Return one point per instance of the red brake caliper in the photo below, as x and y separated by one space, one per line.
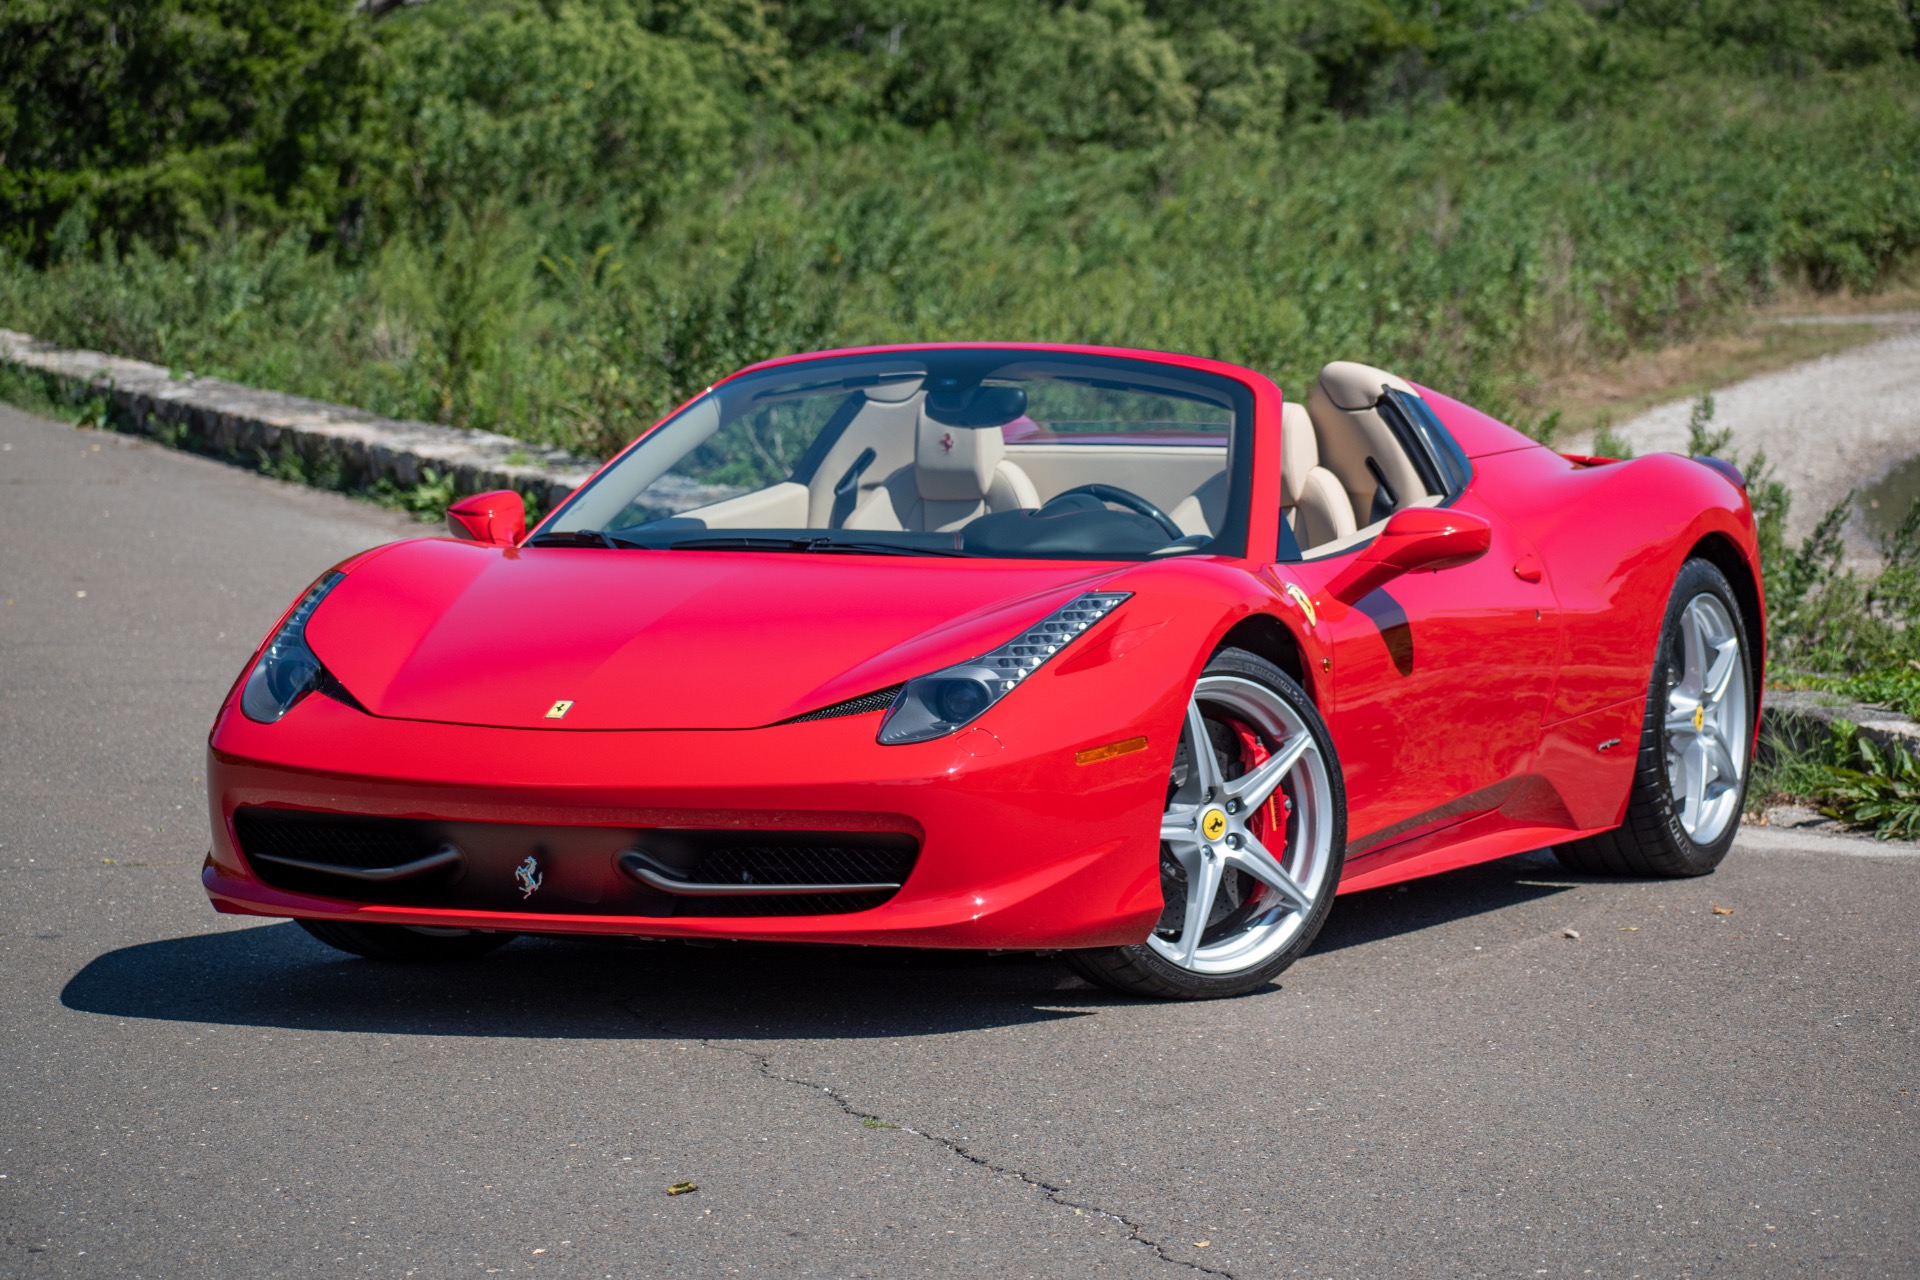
1271 816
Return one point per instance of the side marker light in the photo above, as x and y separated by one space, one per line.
1094 755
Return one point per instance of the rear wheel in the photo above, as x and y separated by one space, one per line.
404 942
1690 781
1251 842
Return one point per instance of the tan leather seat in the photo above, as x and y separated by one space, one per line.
957 475
1351 431
1311 497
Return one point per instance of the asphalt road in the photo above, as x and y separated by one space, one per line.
1448 1085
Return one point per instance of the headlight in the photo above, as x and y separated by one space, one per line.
936 704
288 671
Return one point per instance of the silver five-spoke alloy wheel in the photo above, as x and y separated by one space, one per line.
1705 730
1246 844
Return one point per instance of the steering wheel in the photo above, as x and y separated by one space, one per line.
1130 500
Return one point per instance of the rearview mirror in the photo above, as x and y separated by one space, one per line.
1417 538
497 518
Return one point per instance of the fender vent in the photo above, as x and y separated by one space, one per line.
878 700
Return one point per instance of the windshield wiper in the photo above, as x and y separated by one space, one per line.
827 545
583 538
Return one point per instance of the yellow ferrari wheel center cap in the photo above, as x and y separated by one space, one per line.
1213 824
1699 718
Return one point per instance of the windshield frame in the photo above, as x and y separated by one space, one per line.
1235 386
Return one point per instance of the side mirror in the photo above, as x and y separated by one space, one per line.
497 518
1417 538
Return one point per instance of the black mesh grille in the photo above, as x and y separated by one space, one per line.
878 700
789 857
780 864
338 842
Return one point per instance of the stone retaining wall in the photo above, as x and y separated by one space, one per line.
1803 718
213 416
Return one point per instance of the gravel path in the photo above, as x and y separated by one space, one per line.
1837 423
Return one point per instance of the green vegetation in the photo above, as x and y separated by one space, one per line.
1859 637
1871 786
1848 777
557 218
1834 629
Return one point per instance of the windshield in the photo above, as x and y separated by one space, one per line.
943 452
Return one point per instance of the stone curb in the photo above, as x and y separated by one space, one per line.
241 422
1804 717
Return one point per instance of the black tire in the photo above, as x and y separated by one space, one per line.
1652 841
404 943
1140 970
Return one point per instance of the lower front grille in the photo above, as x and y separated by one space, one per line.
574 870
714 873
343 842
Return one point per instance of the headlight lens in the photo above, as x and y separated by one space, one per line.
288 671
940 702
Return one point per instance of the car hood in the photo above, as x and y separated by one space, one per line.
464 634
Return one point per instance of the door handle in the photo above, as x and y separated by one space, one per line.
1527 568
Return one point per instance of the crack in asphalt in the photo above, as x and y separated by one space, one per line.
1058 1195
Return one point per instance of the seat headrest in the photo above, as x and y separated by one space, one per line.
1351 386
1299 451
955 464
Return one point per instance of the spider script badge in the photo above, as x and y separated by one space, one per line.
527 876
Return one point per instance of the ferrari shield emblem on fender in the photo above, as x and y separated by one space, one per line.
527 876
1213 824
1304 601
559 709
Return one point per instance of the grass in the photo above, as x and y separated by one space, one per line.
1848 777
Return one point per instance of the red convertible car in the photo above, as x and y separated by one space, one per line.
1112 653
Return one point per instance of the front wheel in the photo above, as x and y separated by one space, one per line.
404 942
1251 842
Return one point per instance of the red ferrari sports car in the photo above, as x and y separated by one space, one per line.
1113 653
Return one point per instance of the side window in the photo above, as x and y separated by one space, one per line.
1442 465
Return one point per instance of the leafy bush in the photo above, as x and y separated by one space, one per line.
1874 786
1471 253
556 218
1849 777
162 118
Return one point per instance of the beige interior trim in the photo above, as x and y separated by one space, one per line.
1346 418
781 506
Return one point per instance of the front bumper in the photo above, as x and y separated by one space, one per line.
1020 846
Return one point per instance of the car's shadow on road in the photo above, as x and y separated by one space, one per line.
277 976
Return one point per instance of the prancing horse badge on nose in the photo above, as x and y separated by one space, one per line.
527 876
559 709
